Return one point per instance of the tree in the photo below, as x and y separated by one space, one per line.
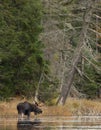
63 22
77 55
21 51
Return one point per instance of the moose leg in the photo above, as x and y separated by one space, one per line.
22 116
19 115
28 116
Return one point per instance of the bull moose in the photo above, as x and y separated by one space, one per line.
26 108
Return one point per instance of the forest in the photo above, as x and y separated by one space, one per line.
50 50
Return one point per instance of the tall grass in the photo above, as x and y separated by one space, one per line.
72 107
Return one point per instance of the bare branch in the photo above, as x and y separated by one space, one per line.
97 68
97 16
98 45
75 93
79 71
37 90
95 31
83 74
77 55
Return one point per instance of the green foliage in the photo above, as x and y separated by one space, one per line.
21 54
90 83
48 91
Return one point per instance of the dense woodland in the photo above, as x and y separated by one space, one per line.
50 49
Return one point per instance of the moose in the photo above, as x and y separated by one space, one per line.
25 108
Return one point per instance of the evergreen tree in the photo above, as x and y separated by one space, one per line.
21 55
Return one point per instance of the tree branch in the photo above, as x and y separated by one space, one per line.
95 31
91 63
77 55
97 16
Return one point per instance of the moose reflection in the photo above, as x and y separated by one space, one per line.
29 125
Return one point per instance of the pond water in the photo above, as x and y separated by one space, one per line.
52 123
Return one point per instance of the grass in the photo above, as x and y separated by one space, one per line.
72 107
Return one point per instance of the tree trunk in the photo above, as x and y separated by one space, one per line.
37 90
82 41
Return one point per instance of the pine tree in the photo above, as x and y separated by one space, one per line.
21 55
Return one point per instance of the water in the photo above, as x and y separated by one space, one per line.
52 123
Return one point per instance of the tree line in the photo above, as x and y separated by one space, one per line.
21 51
25 58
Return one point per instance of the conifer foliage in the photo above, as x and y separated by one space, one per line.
21 55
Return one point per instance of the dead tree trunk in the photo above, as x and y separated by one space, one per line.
37 90
82 41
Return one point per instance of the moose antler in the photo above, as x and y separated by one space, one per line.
35 103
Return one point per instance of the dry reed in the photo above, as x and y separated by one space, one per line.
72 107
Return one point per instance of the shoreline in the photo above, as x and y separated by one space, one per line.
73 107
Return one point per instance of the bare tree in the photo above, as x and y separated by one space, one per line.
78 52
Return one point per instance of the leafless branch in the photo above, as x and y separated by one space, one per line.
97 16
95 31
97 68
